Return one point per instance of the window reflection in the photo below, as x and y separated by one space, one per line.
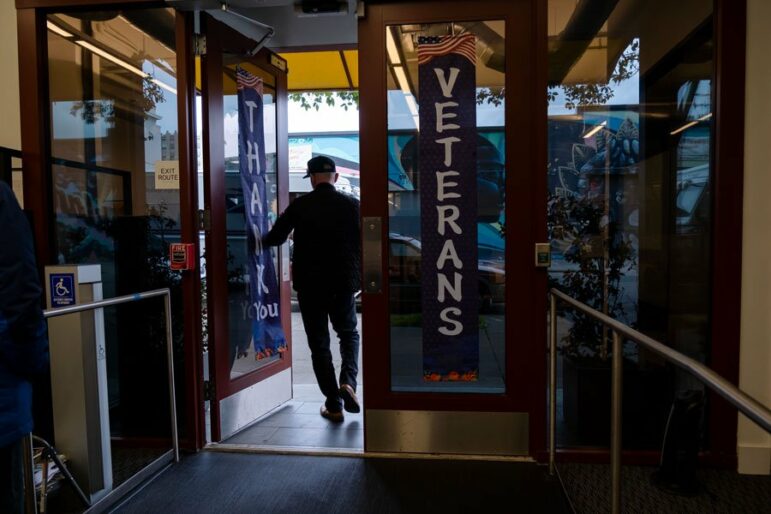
629 215
113 118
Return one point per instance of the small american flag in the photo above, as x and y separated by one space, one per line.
244 79
435 46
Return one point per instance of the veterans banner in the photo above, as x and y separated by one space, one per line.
448 204
267 334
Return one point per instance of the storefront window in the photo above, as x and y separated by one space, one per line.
116 199
629 218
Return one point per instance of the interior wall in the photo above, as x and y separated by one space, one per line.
754 444
10 128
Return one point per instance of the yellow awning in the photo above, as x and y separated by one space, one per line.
325 70
315 71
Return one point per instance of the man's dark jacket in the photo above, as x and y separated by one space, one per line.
23 343
327 240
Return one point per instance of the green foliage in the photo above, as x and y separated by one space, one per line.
315 99
578 95
581 224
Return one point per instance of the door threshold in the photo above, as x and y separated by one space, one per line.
284 450
352 452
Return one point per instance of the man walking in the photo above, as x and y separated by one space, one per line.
23 345
325 271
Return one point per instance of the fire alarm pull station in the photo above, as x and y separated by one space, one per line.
182 256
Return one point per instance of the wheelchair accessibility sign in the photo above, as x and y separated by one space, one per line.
62 289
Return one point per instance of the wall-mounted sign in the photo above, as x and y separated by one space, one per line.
166 174
182 256
62 289
278 62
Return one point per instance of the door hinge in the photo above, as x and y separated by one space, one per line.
204 219
208 390
199 45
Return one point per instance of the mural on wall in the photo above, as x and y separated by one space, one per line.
593 218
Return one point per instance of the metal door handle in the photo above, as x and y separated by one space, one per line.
372 254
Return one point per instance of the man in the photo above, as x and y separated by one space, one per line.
23 344
325 271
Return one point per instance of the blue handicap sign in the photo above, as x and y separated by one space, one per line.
62 289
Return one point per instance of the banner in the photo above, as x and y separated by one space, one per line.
448 200
267 334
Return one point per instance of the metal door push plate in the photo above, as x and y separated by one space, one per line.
372 254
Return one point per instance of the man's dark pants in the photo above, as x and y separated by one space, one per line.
317 310
11 478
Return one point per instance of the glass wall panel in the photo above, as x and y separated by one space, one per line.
113 108
629 173
484 345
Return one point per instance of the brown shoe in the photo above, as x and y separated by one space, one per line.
350 401
334 417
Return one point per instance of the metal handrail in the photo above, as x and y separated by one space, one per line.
166 293
29 486
747 405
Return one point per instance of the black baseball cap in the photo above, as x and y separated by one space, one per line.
320 164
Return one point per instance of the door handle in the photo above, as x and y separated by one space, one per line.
372 254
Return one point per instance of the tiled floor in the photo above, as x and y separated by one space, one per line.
298 424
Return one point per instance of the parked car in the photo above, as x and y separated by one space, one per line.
404 261
404 258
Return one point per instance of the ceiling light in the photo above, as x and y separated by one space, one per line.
165 86
58 30
123 64
595 130
112 58
401 78
393 53
691 124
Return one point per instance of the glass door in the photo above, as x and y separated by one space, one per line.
453 203
246 186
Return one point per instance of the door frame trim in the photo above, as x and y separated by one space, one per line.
212 63
525 384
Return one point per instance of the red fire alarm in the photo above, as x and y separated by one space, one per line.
182 256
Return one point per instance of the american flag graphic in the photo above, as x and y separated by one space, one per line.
245 79
435 46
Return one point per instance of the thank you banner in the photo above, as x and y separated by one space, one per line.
448 199
263 311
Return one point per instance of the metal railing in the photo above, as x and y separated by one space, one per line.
746 404
119 300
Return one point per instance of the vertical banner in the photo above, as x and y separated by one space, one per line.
267 334
448 200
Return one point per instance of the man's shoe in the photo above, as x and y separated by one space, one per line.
350 401
334 417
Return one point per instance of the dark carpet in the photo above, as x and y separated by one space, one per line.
721 491
235 483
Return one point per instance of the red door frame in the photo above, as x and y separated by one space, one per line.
220 40
525 193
